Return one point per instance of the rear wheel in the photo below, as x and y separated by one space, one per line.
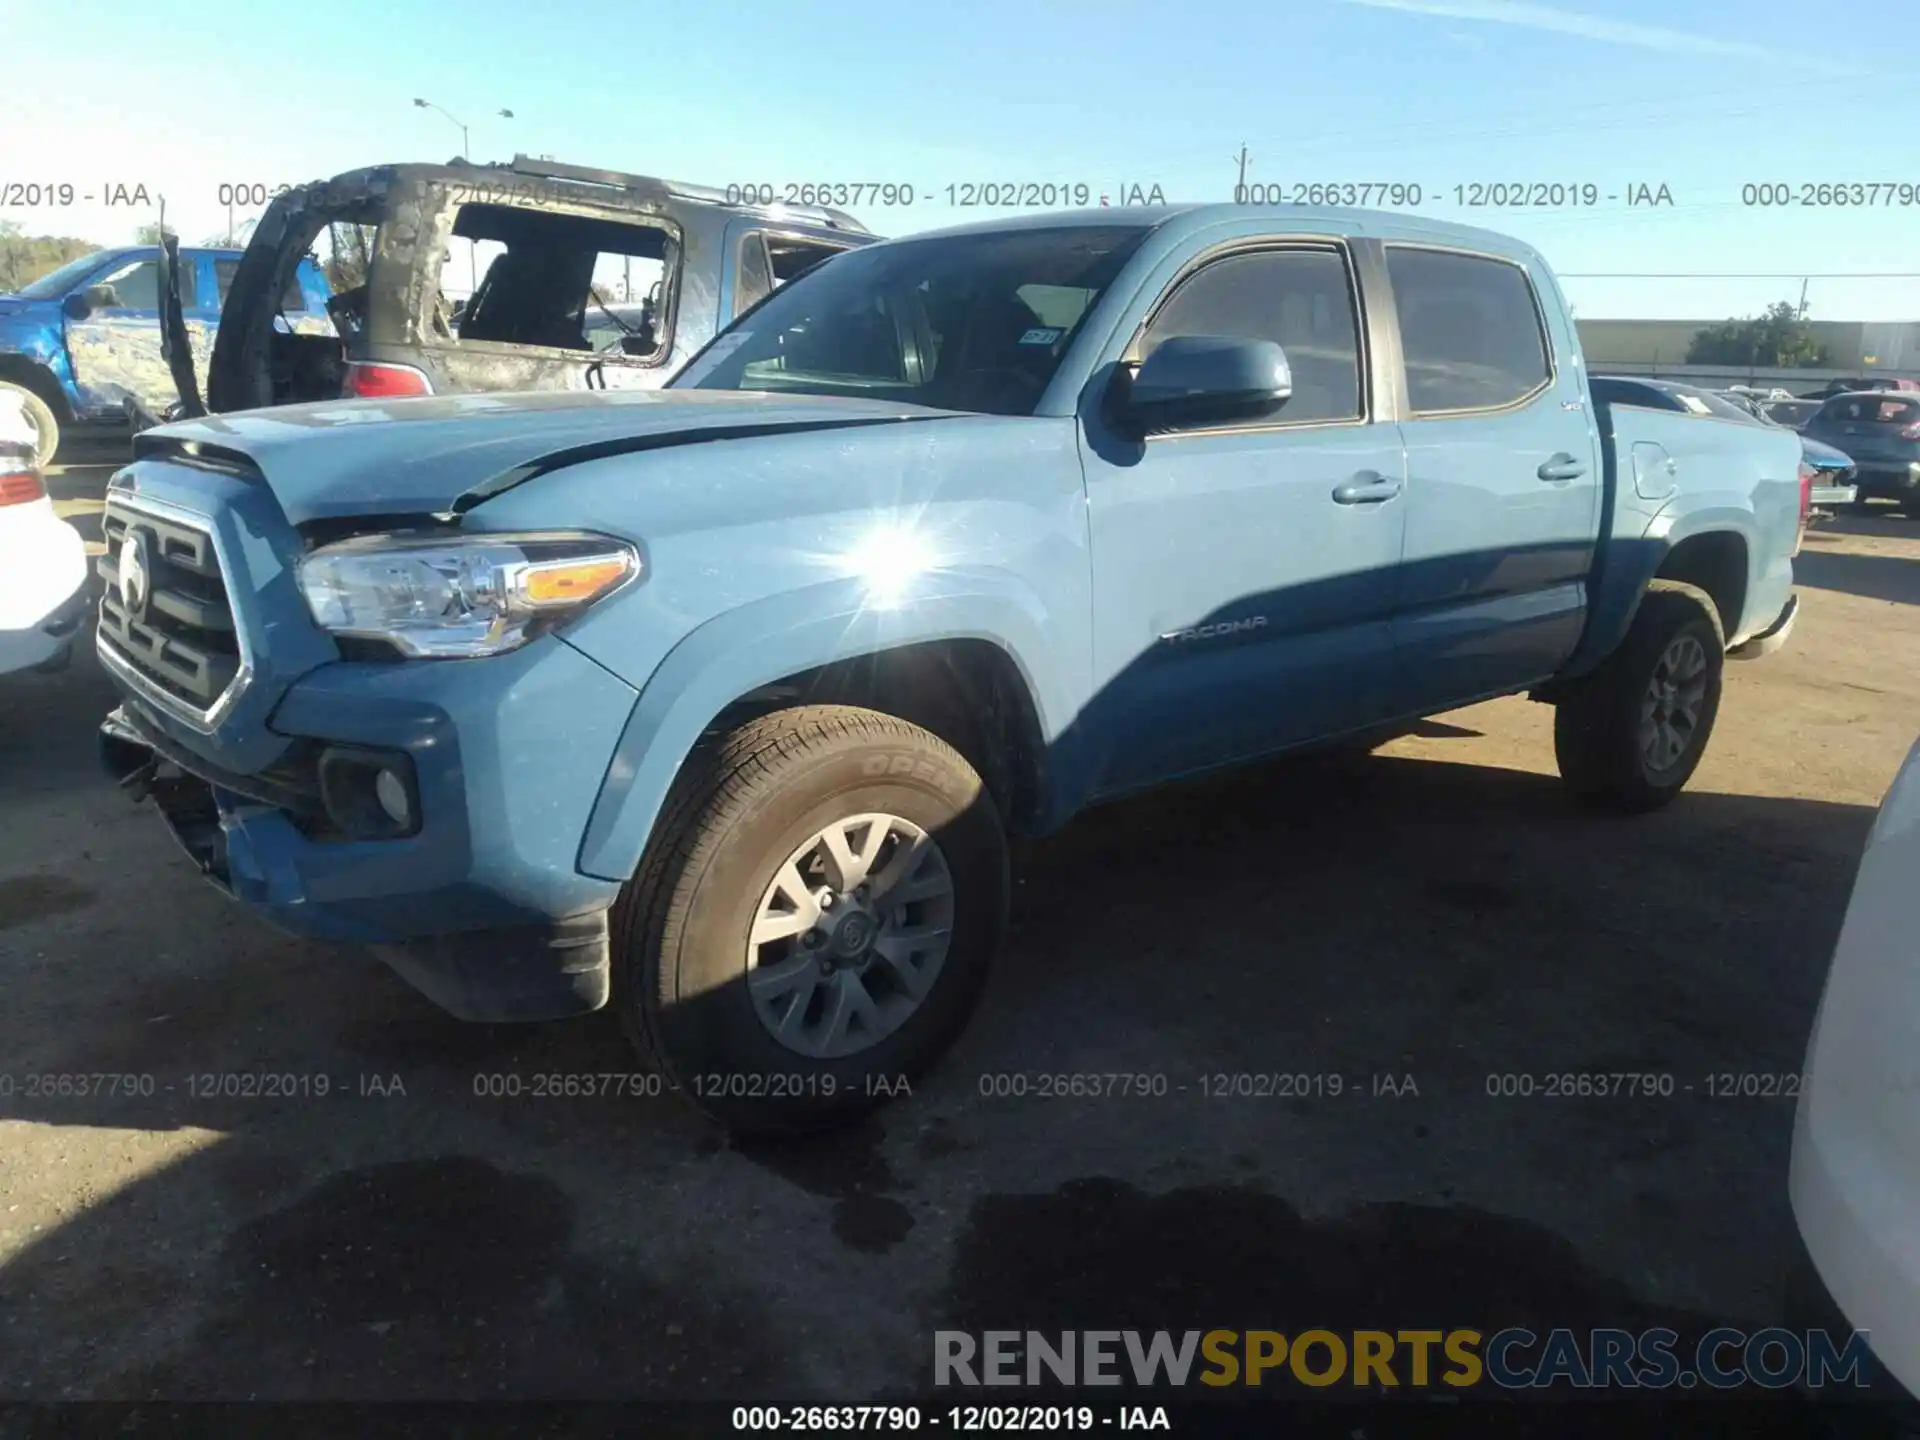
815 918
1629 736
46 425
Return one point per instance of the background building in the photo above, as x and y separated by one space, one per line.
1659 347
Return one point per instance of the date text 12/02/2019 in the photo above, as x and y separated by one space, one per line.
788 1419
959 195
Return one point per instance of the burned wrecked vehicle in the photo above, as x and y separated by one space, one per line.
460 278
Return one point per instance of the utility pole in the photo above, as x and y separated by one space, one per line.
1803 298
1240 186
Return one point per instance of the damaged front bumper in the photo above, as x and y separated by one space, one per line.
261 839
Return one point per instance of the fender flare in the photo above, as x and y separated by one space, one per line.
741 650
1632 564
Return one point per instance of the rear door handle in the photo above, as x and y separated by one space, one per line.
1369 487
1562 467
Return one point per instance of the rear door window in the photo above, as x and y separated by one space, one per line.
1470 328
187 280
769 260
293 300
546 279
791 256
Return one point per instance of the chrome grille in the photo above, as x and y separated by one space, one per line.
171 634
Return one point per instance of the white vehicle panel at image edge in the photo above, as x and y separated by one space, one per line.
1856 1144
43 561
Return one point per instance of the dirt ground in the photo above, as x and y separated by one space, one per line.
1436 914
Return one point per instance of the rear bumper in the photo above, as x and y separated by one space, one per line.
1888 480
1834 495
482 907
1772 638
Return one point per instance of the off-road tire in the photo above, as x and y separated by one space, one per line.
45 423
1596 723
743 803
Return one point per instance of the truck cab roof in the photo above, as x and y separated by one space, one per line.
1180 221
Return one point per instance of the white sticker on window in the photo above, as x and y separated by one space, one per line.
718 351
1042 335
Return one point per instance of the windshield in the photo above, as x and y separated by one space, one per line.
958 322
53 286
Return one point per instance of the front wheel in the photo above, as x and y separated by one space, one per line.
1629 736
814 921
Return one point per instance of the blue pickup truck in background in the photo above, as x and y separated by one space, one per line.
81 342
718 703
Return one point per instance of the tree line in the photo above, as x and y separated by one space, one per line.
1777 339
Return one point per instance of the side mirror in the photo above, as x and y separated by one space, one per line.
82 303
95 297
1206 380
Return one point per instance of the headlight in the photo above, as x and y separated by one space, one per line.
441 597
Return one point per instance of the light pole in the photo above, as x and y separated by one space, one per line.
429 105
473 282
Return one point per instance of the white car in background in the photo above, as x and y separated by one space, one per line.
43 560
1855 1180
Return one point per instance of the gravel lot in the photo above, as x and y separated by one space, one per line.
1436 911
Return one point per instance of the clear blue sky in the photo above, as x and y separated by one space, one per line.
1701 98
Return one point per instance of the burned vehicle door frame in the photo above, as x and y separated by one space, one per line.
552 243
399 318
263 357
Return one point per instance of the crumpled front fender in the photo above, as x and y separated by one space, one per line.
737 652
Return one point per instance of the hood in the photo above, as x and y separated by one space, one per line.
1824 457
20 305
341 459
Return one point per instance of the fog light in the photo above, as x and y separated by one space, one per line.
391 791
369 794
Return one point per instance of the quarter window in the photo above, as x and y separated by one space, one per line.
1300 299
756 274
1469 328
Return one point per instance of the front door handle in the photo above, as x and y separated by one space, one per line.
1369 487
1562 467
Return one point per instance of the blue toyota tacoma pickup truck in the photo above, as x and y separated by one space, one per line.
77 344
718 703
